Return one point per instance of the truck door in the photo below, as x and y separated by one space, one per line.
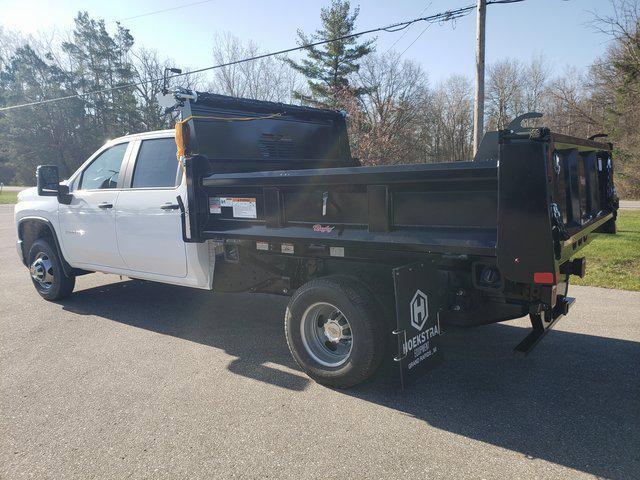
148 222
87 224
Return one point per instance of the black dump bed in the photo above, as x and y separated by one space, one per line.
286 177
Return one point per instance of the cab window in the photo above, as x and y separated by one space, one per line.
103 172
156 166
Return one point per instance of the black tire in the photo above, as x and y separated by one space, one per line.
366 324
60 285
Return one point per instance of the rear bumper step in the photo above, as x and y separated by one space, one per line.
542 323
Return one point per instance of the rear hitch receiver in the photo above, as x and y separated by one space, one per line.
577 266
541 322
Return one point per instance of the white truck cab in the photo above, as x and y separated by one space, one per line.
121 217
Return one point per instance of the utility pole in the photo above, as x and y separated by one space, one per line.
478 103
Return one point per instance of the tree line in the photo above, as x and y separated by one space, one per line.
395 114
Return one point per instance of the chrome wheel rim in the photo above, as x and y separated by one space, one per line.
326 334
41 271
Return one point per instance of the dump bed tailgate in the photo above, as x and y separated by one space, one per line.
555 191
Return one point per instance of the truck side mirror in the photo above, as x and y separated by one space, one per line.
48 180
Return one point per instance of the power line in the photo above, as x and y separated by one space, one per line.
407 30
415 40
437 17
431 23
442 16
178 7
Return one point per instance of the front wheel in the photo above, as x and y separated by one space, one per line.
47 275
335 331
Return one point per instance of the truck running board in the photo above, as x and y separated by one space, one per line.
541 322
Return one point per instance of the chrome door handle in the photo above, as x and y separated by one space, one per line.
105 205
170 206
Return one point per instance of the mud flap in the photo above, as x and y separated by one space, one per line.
419 294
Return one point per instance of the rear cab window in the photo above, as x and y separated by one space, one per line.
156 165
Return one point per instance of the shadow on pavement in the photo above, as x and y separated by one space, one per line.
248 327
574 401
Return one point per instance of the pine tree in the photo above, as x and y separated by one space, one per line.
49 133
329 66
102 62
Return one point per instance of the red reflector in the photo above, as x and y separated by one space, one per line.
543 277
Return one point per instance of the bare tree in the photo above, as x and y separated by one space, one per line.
395 98
504 93
149 70
570 108
452 120
401 120
535 78
43 43
9 43
616 78
268 78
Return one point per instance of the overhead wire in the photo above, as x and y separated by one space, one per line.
407 30
445 16
431 23
164 10
415 40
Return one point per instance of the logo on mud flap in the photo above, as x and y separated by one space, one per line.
419 310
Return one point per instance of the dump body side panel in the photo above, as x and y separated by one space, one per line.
445 208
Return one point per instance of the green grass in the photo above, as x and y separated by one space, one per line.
8 197
613 261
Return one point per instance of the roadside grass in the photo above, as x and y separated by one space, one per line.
613 261
8 197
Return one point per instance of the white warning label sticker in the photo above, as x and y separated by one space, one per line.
214 205
242 207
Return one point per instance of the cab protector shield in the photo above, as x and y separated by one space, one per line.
240 135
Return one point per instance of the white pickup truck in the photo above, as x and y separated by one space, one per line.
267 198
121 217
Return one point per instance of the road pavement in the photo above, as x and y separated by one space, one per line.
629 204
131 379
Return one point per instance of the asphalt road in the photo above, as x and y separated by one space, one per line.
629 204
129 379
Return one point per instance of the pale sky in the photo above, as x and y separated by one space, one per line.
558 29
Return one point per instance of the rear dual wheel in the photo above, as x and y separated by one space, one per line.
335 331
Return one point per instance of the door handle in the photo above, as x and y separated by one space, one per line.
105 205
170 206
